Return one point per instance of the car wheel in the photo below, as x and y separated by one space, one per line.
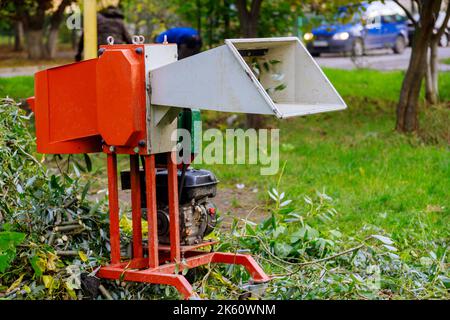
358 48
443 41
399 45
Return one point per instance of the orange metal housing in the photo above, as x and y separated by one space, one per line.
80 104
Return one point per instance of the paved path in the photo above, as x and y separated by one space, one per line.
383 60
22 71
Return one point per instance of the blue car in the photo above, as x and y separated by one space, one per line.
373 26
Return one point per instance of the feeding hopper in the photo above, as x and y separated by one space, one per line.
260 76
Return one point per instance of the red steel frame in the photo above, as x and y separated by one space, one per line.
159 267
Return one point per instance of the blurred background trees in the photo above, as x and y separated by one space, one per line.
37 26
40 22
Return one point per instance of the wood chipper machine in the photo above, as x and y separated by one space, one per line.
128 102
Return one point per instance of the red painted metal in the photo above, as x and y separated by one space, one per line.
106 96
136 206
174 215
245 260
152 217
162 261
150 276
165 273
121 95
114 231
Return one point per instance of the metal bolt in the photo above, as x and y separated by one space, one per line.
141 143
136 150
112 148
139 50
100 51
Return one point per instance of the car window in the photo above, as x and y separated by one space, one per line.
373 20
400 18
388 19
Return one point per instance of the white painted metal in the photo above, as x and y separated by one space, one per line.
158 136
220 79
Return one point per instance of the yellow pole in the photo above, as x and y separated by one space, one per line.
90 29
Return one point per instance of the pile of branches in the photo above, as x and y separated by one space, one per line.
49 232
53 236
53 239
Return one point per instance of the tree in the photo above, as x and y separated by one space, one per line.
407 108
432 71
149 17
40 20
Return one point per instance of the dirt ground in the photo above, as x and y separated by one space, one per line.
240 203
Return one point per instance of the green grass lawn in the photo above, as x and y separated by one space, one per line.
376 176
17 87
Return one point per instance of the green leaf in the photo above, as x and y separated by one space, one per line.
390 248
249 229
311 233
36 264
282 249
88 162
298 235
9 240
280 87
383 239
75 168
85 191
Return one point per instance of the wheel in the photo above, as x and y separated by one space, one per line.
400 45
443 41
358 48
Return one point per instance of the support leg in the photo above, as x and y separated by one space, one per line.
152 218
114 231
178 281
174 215
136 206
245 260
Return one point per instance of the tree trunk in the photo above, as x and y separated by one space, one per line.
18 36
35 44
431 88
407 108
52 43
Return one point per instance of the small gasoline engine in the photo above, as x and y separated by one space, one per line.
197 211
